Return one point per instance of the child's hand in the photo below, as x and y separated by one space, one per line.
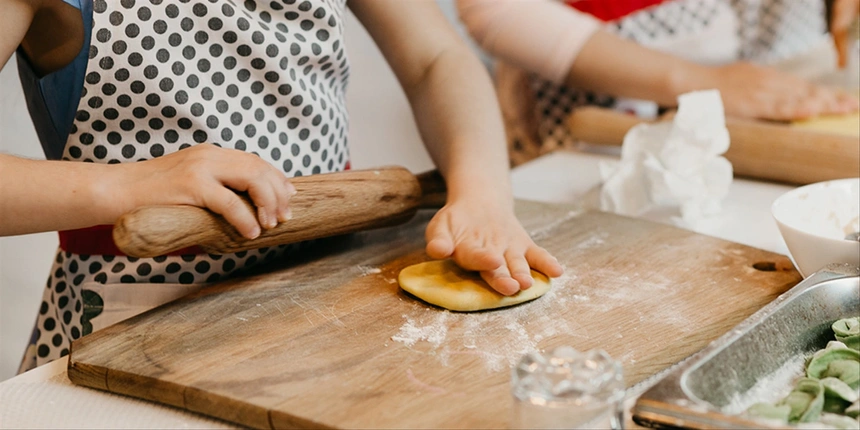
209 176
753 91
486 237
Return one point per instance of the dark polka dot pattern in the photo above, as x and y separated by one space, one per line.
774 30
218 72
266 77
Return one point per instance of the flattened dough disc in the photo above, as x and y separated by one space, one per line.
444 284
839 124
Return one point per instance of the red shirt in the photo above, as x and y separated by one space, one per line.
611 10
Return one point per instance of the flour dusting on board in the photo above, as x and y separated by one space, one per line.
609 291
368 270
594 240
434 333
546 230
453 333
500 337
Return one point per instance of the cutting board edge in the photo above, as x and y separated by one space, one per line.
281 420
172 394
88 375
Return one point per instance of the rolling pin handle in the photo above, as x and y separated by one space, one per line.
433 190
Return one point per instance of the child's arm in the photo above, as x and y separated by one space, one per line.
38 195
572 50
457 114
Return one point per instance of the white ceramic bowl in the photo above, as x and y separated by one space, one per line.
814 220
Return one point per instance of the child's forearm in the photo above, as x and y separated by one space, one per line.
39 195
611 65
450 92
458 116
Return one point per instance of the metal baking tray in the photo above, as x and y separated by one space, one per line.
759 360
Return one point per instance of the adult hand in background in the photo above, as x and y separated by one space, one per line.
844 13
748 90
754 91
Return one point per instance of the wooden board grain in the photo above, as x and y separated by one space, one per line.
331 341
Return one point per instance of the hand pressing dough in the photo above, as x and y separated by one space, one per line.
839 124
444 284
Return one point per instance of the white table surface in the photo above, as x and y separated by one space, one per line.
45 398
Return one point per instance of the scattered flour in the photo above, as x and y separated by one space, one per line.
434 333
771 388
596 239
579 298
499 337
614 292
368 270
546 230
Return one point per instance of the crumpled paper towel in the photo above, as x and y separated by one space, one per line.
672 168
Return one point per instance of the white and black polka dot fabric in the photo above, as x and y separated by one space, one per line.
671 19
265 77
768 30
773 30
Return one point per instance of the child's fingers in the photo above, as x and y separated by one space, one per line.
440 244
500 280
266 185
542 261
284 212
439 248
264 197
475 256
519 268
226 203
283 192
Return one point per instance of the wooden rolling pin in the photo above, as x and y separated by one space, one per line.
325 205
762 150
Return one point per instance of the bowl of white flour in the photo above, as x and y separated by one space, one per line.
816 222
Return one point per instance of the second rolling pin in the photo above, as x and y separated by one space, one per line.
759 149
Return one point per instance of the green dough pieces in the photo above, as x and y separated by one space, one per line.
836 388
829 392
805 401
847 331
838 421
769 411
836 361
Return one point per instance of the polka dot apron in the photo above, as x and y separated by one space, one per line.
262 77
704 31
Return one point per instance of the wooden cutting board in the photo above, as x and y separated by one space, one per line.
331 341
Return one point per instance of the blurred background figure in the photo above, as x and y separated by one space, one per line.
639 55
